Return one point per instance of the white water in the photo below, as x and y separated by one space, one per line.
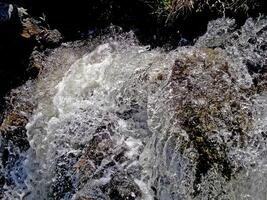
97 90
112 114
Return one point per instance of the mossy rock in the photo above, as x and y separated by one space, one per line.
208 101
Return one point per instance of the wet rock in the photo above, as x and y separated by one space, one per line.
87 175
20 33
211 94
100 153
38 30
15 117
13 138
36 61
91 194
62 186
50 38
30 26
119 187
99 148
246 42
201 120
123 187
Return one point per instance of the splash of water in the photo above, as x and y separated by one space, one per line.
128 122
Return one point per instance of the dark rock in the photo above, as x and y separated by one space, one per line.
123 187
20 33
50 38
62 187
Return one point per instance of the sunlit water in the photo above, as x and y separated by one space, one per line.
106 127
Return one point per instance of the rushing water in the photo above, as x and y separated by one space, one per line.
128 122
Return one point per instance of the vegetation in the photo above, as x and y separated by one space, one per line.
174 9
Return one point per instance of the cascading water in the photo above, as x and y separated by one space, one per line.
128 122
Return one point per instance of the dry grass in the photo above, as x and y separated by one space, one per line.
173 9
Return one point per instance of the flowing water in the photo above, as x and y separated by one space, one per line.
124 121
